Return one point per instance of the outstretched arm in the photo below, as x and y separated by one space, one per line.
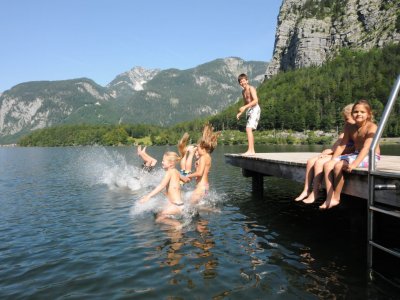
158 188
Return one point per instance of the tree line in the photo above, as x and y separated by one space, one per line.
302 100
312 98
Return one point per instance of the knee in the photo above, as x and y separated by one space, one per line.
328 167
338 168
318 164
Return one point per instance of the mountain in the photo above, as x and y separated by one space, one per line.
309 32
159 97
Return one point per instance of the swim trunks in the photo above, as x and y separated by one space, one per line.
353 156
184 173
253 116
147 168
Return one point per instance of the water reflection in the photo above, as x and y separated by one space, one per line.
173 245
205 243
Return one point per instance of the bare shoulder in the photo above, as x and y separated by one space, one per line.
252 88
372 127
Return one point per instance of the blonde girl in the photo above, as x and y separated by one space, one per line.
170 183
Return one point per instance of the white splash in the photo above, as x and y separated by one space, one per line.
102 166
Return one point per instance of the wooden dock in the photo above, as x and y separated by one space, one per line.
292 165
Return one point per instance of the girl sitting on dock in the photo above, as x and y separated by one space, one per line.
362 133
315 165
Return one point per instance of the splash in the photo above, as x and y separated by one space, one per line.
109 167
209 204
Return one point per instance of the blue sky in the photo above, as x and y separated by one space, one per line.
99 39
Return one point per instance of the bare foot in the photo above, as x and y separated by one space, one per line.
141 150
303 195
248 153
329 204
310 199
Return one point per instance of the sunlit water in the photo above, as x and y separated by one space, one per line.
71 228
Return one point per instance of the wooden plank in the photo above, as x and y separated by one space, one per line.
291 165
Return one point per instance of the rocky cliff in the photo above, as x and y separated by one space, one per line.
311 31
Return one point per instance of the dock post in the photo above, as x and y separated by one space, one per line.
257 181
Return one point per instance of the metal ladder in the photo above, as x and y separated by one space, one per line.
372 187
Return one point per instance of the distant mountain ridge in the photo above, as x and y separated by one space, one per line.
149 96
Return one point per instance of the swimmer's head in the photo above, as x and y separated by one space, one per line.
170 159
346 112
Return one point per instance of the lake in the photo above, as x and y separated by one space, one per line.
71 228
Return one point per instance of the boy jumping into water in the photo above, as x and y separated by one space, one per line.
252 111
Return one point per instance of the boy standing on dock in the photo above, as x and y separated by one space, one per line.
252 111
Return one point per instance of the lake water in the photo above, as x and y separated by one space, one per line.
71 229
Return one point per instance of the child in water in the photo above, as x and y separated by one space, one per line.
362 133
315 165
149 162
186 153
205 147
172 187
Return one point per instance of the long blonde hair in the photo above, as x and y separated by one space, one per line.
209 139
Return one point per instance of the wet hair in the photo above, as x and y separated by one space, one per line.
183 143
209 139
347 110
366 105
172 156
242 76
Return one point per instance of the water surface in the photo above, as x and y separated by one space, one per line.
71 229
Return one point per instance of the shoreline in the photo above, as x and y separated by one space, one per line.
390 141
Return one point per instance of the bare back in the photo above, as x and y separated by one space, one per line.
173 187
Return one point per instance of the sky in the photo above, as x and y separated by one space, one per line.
100 39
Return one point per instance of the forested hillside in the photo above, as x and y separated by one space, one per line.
299 100
312 98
